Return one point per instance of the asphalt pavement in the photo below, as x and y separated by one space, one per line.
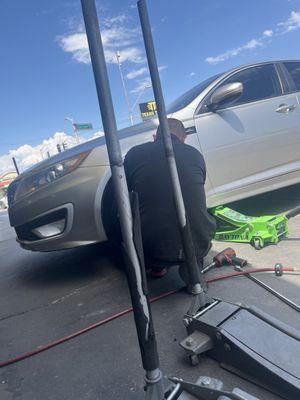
46 296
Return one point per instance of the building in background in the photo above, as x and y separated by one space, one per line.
5 181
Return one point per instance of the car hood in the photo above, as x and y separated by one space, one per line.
88 146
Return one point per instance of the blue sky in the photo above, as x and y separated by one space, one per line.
46 74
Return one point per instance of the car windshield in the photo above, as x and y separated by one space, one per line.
190 95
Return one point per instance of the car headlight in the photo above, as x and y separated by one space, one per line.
47 175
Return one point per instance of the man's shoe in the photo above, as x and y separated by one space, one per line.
158 272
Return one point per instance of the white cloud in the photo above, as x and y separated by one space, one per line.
268 33
116 35
77 45
118 19
136 72
27 155
141 84
146 81
6 164
192 73
291 24
162 67
96 135
252 44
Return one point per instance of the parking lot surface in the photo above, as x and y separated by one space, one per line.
46 296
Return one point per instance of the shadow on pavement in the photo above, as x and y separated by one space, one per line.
274 202
69 266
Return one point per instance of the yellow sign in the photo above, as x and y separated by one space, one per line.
148 109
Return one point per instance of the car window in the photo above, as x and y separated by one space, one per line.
190 95
259 83
294 70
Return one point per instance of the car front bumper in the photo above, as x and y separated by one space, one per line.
74 199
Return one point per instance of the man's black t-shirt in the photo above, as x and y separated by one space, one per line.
148 174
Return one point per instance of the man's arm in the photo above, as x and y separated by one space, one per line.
192 178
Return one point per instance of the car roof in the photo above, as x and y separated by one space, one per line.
255 64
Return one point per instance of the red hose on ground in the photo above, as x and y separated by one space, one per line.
80 332
40 349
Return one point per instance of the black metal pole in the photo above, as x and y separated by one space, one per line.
186 236
137 285
16 165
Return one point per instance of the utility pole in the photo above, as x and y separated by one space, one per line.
118 56
74 128
16 165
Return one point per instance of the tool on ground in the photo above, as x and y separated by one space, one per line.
233 226
205 388
270 289
279 269
248 342
227 256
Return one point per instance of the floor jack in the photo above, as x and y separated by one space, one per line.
233 226
247 342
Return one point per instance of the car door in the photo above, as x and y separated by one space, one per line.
248 141
292 101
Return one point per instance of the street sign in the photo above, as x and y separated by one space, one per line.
83 127
148 110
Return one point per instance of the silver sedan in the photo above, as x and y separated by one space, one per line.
246 123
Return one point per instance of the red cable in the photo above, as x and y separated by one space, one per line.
124 312
80 332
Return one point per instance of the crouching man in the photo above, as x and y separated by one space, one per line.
147 174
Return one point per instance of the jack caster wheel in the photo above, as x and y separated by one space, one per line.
257 244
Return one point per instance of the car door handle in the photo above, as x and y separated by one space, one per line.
285 108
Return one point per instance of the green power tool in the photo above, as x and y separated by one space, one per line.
233 226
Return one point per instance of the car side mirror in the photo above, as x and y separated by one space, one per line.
225 95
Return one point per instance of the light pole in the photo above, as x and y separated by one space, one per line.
140 95
74 128
118 56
